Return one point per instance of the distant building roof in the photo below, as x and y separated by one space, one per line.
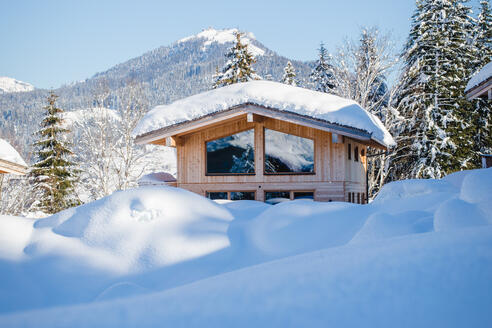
10 160
273 95
480 82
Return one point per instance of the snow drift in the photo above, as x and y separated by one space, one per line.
419 255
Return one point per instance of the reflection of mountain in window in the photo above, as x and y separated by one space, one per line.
286 153
232 154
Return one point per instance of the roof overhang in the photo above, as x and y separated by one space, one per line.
13 168
483 90
157 136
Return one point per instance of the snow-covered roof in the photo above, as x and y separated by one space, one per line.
9 154
479 77
282 97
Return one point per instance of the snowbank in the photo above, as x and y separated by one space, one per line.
481 76
8 153
323 106
418 256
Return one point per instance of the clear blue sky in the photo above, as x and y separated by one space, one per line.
49 43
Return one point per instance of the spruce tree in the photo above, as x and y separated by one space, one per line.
322 76
53 175
238 67
289 74
436 64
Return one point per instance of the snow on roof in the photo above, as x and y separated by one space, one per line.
318 105
481 76
212 35
8 153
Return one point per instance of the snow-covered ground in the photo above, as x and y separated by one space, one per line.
420 255
8 84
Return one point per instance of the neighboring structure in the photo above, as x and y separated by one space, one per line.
267 141
480 85
486 160
10 160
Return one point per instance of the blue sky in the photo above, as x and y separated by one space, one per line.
49 43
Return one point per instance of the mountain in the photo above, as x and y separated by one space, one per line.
166 74
8 84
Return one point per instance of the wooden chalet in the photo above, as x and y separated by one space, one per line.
480 85
267 141
10 160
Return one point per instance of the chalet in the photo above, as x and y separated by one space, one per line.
480 85
10 160
267 141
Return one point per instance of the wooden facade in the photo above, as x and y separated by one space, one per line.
336 177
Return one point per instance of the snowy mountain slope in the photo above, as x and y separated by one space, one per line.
417 256
166 74
8 84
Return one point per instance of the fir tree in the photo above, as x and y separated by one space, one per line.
238 67
289 75
436 58
322 76
53 174
483 40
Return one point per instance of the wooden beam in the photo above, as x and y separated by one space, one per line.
13 168
254 118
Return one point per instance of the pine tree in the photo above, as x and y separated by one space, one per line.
322 76
483 40
53 174
238 67
289 75
436 59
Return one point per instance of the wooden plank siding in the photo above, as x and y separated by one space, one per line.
334 174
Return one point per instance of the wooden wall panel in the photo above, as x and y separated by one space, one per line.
332 169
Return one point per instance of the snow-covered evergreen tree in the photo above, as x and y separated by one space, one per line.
289 74
483 40
436 65
238 67
322 77
53 174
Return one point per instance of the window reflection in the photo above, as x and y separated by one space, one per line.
286 153
232 154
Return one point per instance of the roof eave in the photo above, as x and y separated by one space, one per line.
183 127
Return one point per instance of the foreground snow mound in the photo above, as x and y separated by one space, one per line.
418 256
146 227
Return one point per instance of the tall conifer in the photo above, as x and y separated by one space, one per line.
54 173
238 67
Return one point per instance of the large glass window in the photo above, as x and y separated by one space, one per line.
275 197
286 153
232 155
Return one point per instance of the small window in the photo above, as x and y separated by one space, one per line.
349 152
356 154
303 195
232 155
286 153
362 153
275 197
242 195
350 197
217 195
358 198
363 201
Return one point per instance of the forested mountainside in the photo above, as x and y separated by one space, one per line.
164 74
